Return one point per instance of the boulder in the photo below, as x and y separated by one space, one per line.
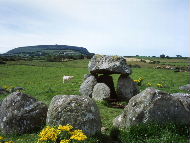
108 80
87 86
126 88
181 94
78 111
185 87
101 92
153 105
21 113
102 64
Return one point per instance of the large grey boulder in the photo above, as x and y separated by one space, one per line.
102 64
153 105
126 88
87 86
21 113
79 111
185 87
101 92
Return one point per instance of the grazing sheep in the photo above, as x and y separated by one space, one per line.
66 78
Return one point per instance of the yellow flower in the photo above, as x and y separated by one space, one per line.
137 81
160 85
65 141
141 78
1 137
149 84
65 128
9 142
49 133
78 135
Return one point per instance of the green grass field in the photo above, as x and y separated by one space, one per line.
44 80
170 61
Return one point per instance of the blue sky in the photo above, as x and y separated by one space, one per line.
112 27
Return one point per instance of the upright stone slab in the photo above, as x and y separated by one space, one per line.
87 86
21 113
101 64
153 105
108 80
126 88
101 92
79 111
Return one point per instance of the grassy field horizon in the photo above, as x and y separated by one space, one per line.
44 80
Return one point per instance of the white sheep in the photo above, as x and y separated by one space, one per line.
66 78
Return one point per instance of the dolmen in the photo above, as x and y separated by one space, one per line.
99 83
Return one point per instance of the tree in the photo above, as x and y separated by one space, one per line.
162 56
178 56
168 57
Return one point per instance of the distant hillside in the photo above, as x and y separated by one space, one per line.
49 49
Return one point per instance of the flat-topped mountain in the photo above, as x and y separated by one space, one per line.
49 49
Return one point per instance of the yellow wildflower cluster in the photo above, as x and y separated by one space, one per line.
78 135
2 140
160 85
48 134
65 128
136 81
8 88
149 84
64 134
139 81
